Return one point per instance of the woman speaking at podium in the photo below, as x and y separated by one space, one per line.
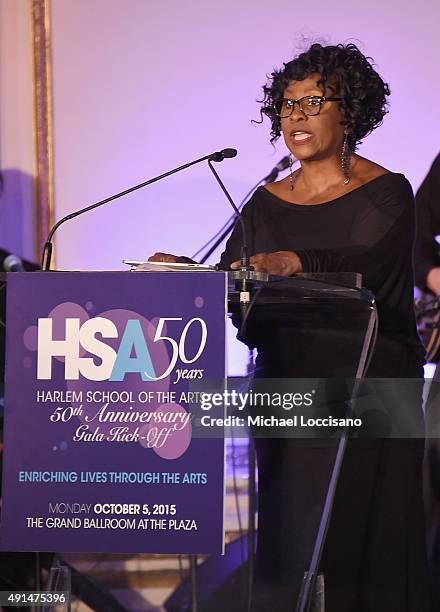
339 212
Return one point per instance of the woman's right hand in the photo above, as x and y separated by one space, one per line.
169 258
166 257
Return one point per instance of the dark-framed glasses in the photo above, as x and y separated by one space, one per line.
309 105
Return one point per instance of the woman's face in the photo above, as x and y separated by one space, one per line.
312 137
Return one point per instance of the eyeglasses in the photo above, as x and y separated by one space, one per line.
309 105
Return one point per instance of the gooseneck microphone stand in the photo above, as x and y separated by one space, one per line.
245 277
218 156
244 248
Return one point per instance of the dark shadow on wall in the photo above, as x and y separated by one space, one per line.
17 213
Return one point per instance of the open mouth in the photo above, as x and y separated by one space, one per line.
301 137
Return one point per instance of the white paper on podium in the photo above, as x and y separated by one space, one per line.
163 266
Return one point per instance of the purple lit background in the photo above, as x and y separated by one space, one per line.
141 87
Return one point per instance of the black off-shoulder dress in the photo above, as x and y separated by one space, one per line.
375 558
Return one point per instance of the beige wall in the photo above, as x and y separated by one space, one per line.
17 147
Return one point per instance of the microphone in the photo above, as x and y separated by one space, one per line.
13 263
283 164
217 156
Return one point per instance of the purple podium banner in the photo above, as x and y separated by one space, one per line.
98 447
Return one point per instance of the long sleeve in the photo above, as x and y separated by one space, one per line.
426 252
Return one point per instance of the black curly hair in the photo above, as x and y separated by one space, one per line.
349 73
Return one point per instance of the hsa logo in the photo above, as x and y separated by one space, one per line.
132 355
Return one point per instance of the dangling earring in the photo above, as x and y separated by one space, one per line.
345 160
292 179
293 175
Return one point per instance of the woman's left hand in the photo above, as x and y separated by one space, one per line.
280 263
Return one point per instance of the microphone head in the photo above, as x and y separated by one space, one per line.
228 153
13 263
219 156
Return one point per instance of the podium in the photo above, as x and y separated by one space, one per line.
99 453
298 326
